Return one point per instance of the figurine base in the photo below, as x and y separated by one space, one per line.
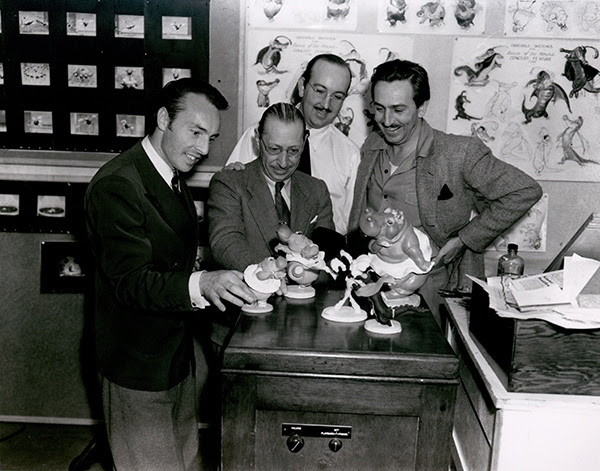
376 328
344 314
299 292
257 308
413 300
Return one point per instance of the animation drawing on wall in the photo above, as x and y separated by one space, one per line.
277 59
431 17
552 18
537 107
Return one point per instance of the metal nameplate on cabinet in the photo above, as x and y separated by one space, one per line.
314 430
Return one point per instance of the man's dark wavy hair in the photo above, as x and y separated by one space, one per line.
172 95
404 70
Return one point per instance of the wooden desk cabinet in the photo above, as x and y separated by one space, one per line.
498 430
373 402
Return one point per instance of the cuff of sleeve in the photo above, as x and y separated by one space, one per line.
198 301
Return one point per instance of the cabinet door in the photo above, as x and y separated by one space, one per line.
394 424
377 442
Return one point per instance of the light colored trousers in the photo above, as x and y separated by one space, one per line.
152 430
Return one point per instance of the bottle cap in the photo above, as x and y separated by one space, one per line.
512 247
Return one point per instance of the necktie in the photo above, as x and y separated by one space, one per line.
304 165
283 212
176 183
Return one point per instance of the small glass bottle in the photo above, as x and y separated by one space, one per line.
511 263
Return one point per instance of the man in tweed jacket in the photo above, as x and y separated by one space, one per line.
451 187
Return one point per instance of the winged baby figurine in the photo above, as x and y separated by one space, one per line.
305 261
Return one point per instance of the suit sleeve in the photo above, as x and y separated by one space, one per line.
226 230
127 260
504 193
325 210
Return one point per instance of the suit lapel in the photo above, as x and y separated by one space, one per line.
177 215
260 202
360 200
301 209
428 182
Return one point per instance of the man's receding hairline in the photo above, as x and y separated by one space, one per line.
335 64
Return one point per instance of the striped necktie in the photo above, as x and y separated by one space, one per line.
176 183
283 212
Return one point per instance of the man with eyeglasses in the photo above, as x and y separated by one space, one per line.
246 206
334 158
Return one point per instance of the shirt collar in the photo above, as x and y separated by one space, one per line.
424 144
162 167
271 184
316 135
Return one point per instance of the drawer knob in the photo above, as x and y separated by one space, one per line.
335 444
295 443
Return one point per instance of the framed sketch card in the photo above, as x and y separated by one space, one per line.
64 266
81 24
34 22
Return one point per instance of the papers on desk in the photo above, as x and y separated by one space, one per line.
548 296
536 291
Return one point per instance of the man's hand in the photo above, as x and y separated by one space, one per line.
450 251
235 166
227 285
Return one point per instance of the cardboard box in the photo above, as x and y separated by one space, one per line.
536 356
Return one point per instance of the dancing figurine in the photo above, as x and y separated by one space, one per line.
356 272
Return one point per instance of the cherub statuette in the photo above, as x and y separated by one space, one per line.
264 279
304 262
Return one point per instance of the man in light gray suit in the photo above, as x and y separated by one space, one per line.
246 206
451 187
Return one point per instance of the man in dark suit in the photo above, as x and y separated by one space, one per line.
451 187
245 206
143 231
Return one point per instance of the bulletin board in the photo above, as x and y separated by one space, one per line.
83 75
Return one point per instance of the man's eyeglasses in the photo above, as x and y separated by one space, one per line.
322 93
291 152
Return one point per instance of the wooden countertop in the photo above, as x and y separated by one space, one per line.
295 339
